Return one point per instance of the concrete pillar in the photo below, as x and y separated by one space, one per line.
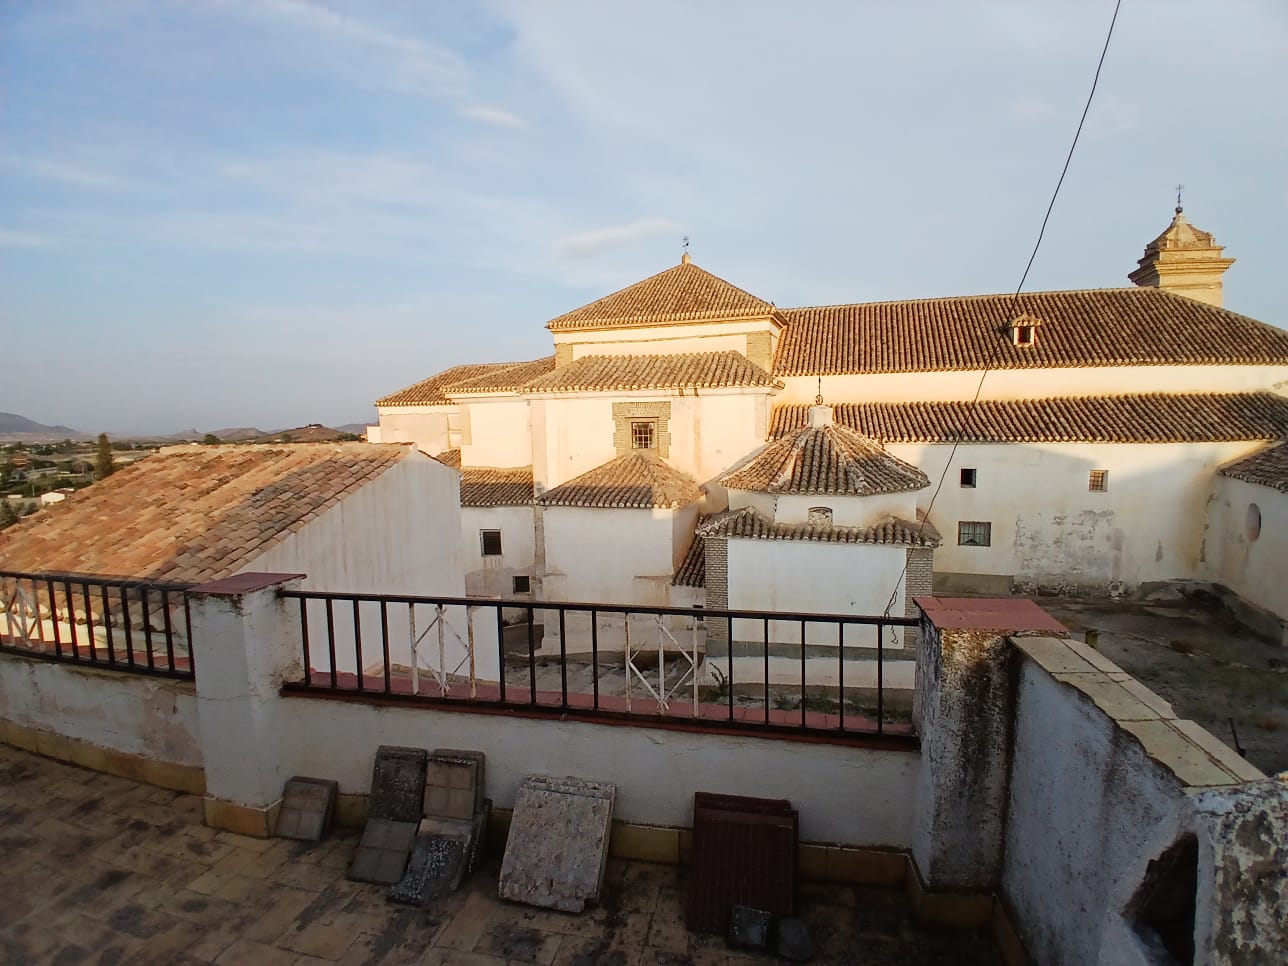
964 711
246 642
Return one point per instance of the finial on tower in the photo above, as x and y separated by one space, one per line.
818 400
1179 189
684 256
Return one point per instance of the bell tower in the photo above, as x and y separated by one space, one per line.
1185 260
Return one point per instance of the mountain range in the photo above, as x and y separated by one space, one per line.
20 429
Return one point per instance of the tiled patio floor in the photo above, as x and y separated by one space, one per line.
97 869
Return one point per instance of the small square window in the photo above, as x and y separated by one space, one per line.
968 478
642 432
1098 481
522 584
974 533
490 540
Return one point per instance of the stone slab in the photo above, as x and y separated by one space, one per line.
472 832
557 850
454 783
435 870
749 928
397 784
381 856
308 805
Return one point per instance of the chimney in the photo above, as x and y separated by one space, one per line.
1185 260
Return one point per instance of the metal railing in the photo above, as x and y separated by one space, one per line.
138 626
767 670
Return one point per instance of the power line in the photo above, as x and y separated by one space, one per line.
1015 301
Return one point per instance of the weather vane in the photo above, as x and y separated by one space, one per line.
1179 189
686 244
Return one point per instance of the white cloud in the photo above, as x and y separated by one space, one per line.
23 239
587 244
493 115
64 173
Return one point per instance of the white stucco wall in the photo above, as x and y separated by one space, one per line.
848 511
429 427
1254 568
819 578
495 432
1033 383
601 553
704 336
493 576
852 796
130 713
1048 528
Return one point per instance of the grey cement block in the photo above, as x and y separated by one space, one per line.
454 783
307 807
472 832
381 856
558 846
435 869
397 784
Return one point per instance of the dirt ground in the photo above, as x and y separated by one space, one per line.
1210 668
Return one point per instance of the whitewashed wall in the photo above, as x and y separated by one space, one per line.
600 553
848 511
1254 568
704 336
1049 529
820 578
133 714
495 431
1033 383
425 426
492 576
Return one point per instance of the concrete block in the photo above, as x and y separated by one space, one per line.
558 846
1054 654
435 870
308 805
1111 697
397 784
242 819
381 856
454 783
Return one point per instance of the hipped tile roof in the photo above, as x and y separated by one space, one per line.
684 293
1134 418
1100 327
1266 467
485 487
831 460
751 524
699 370
492 377
450 457
193 513
693 571
635 481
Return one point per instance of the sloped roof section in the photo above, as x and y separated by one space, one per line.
749 523
486 487
699 370
450 457
492 377
635 481
1101 327
193 513
693 570
827 460
684 293
1132 418
1266 467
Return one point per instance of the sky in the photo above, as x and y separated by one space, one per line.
219 213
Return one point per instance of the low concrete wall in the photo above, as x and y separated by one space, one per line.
1101 782
152 718
846 795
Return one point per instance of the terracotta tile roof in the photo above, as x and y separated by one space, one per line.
1103 327
635 481
1137 418
193 513
1266 467
751 524
450 457
702 370
830 460
684 293
693 571
490 377
484 486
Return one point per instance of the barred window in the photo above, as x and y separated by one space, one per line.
642 434
1098 481
974 533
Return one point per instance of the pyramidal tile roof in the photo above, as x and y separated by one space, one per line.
483 486
193 513
749 523
489 377
1100 327
684 293
1266 467
634 481
1131 418
827 460
701 370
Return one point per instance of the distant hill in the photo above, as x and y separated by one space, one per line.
312 433
358 429
26 430
241 434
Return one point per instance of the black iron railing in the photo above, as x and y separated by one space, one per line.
821 673
139 626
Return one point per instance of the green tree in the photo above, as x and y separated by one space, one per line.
104 464
210 439
7 517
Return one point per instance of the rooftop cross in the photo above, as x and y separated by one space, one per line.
1179 189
